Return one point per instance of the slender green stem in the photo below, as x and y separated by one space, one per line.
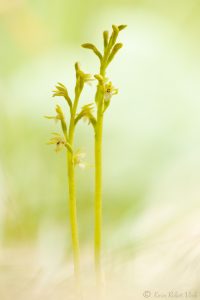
72 195
98 193
73 215
98 183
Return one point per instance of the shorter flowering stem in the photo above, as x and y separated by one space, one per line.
74 158
72 194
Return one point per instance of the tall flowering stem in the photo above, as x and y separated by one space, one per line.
66 141
105 91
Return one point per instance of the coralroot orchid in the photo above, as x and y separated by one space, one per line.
67 142
104 92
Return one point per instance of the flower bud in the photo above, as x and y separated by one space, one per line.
114 34
105 38
93 48
114 51
121 27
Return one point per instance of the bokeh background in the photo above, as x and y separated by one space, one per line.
151 229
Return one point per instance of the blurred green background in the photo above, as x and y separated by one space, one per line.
151 133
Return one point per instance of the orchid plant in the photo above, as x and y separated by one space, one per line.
104 92
74 157
93 113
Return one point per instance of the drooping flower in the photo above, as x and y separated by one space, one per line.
62 91
87 111
109 91
58 116
57 140
79 159
87 78
86 114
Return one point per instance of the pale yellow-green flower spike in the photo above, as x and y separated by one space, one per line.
73 159
104 92
111 48
67 141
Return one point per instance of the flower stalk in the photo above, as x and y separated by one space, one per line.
104 93
73 158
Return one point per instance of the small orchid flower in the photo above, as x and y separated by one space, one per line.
62 91
59 116
57 140
86 114
87 78
109 91
79 159
82 77
87 111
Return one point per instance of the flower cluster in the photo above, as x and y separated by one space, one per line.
57 140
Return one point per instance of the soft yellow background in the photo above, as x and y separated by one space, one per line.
151 143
